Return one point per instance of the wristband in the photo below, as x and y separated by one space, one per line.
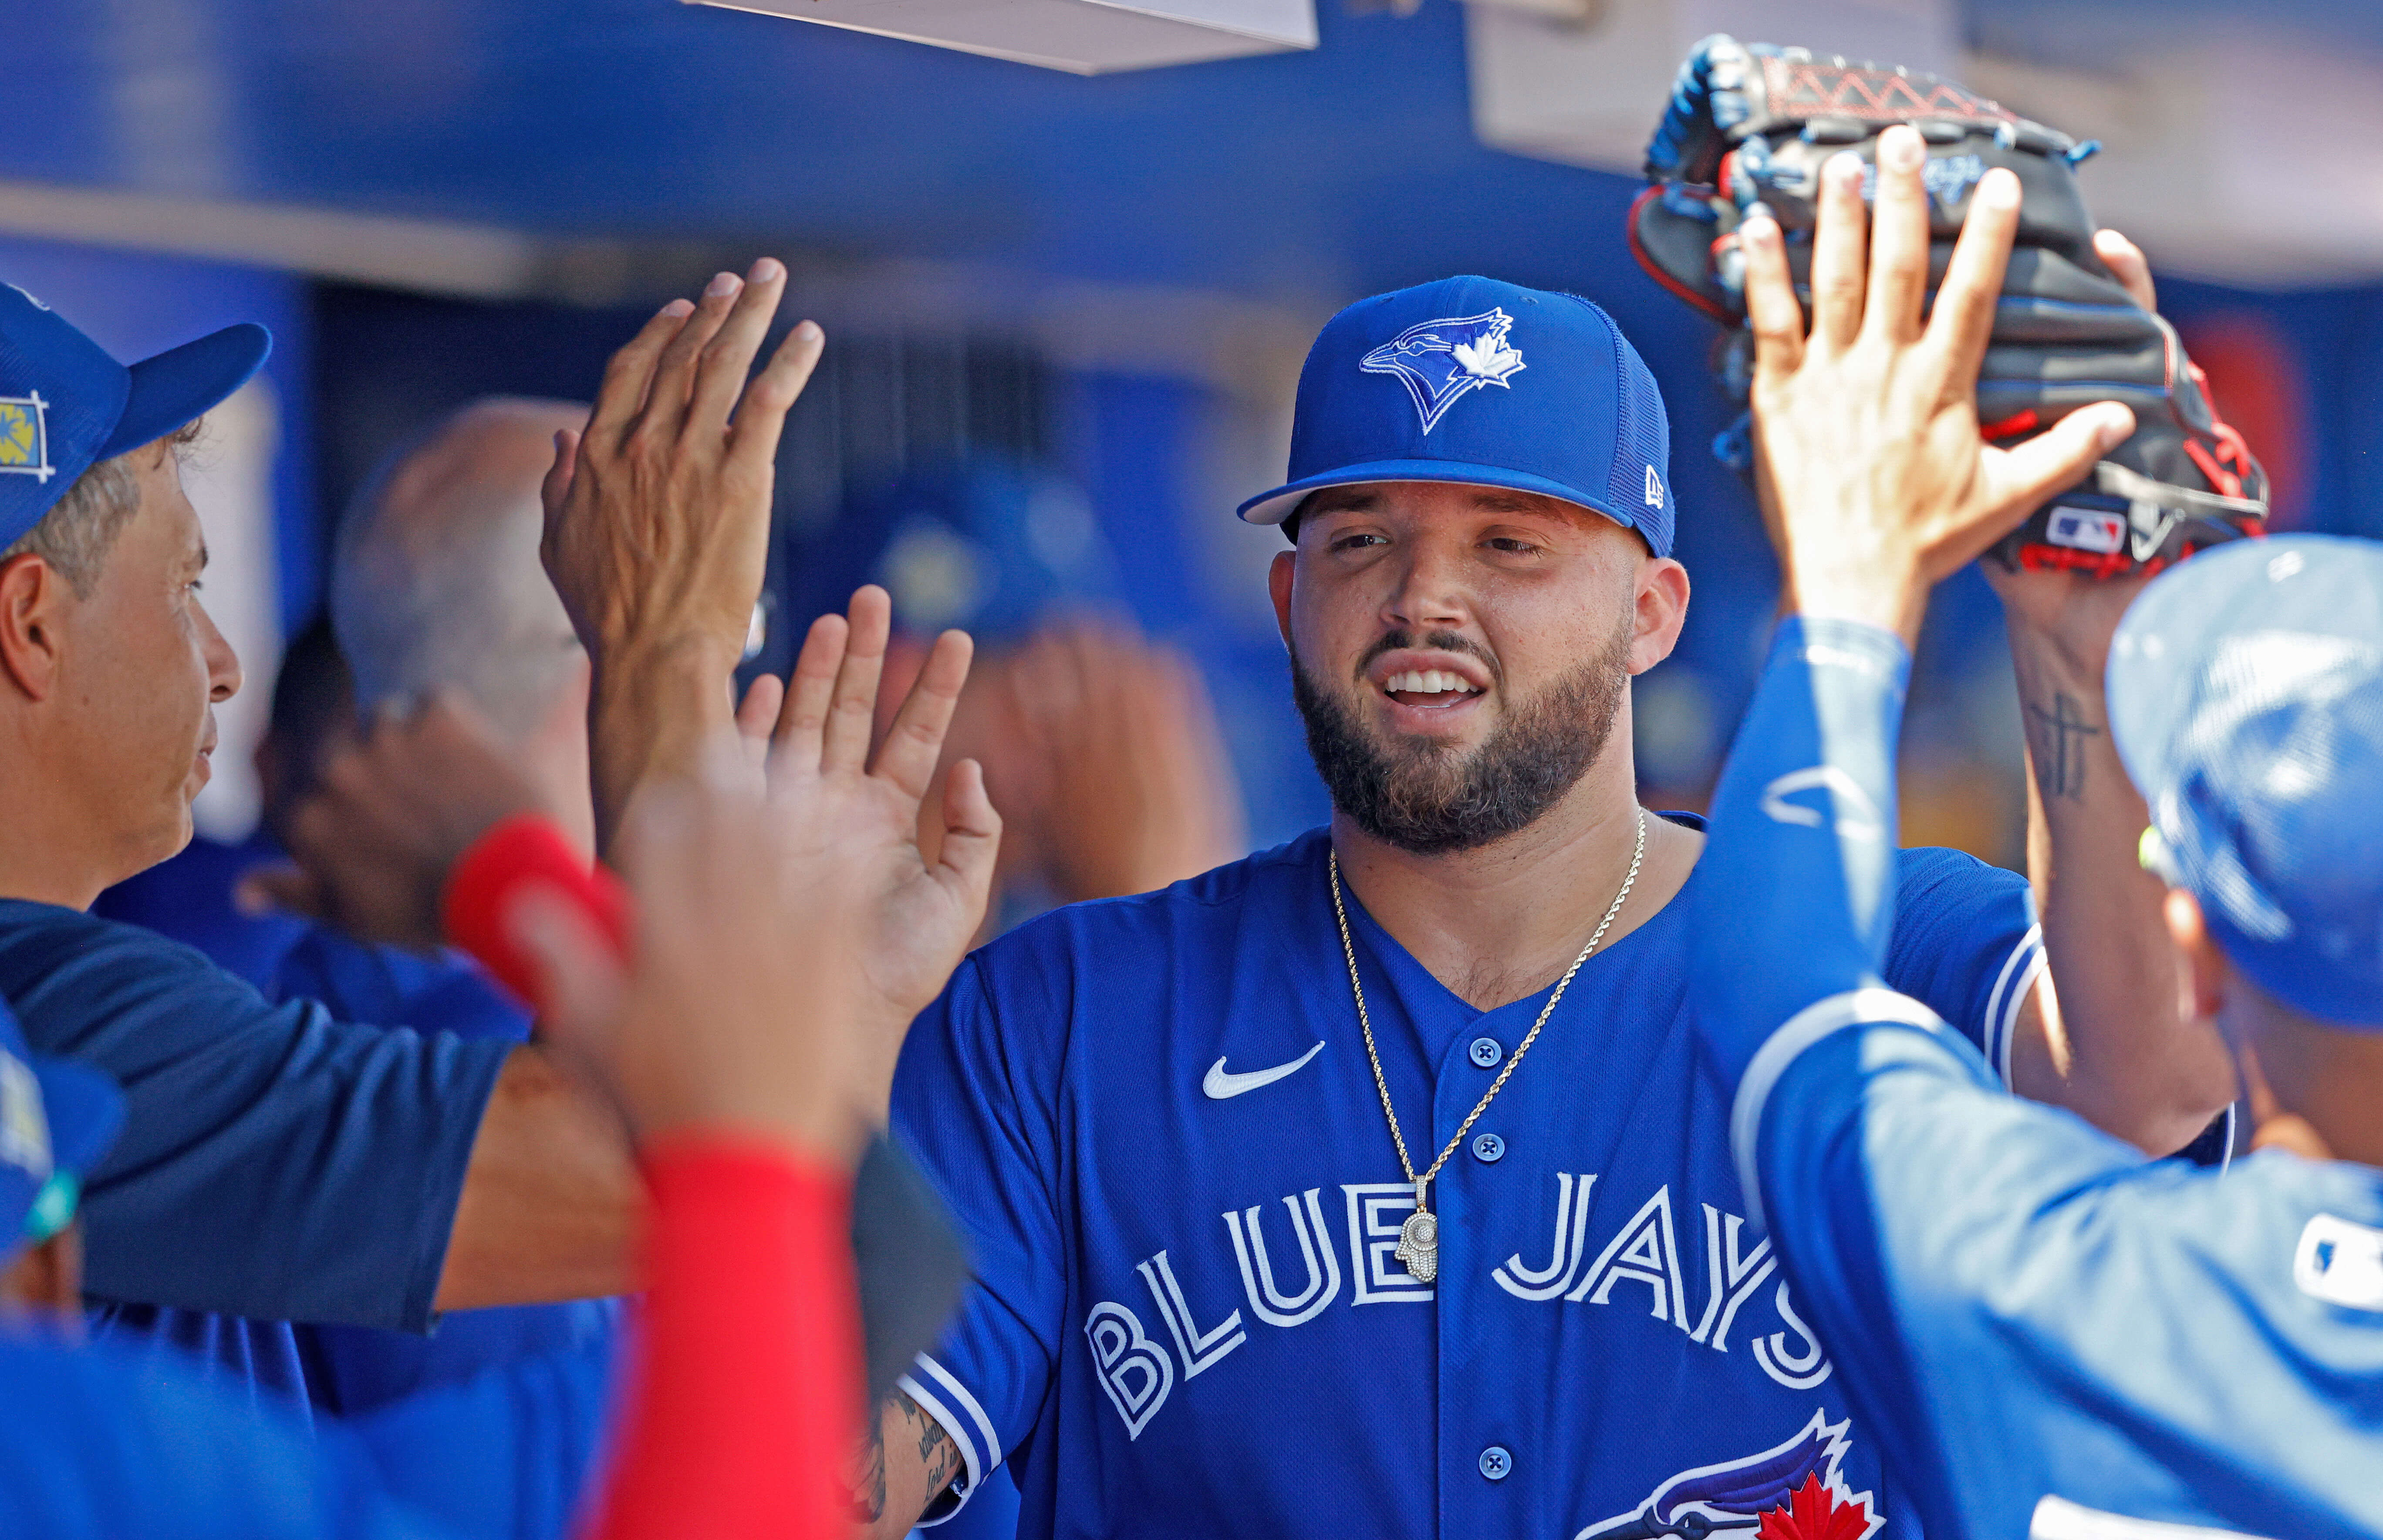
517 852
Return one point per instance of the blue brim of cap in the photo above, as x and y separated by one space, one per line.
1273 508
84 1109
183 383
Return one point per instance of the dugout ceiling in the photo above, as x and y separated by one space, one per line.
505 147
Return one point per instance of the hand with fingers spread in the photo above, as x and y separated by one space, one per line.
657 523
1867 428
372 845
860 813
789 905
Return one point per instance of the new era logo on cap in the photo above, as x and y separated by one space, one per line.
1397 388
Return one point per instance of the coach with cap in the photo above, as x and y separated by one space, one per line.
1375 1183
2051 1335
277 1164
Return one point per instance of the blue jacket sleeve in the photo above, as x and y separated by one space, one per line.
276 1163
1802 852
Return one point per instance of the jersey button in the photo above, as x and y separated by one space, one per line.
1486 1052
1488 1148
1496 1464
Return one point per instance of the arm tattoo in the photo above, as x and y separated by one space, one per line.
2058 738
867 1486
938 1456
936 1451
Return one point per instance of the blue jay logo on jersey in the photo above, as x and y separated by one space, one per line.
1440 361
1789 1492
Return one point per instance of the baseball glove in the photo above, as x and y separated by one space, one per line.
1749 128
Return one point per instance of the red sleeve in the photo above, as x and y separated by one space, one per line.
744 1396
513 854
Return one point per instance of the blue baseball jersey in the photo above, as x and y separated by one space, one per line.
1156 1119
275 1164
350 1370
97 1444
2053 1335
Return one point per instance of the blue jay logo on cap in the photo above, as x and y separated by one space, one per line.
1439 361
25 436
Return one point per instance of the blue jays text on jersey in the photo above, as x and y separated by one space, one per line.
1155 1118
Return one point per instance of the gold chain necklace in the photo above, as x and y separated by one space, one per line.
1419 1237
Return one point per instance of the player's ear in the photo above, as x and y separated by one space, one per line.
33 598
1278 586
2200 970
1662 608
47 1278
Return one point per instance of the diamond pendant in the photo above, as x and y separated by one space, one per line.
1419 1245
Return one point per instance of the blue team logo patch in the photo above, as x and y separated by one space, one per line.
1440 361
1792 1492
25 436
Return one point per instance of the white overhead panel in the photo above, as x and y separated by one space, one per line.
2247 159
2230 155
1084 37
1589 88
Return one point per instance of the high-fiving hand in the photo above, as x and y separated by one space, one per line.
658 515
787 926
1867 428
657 525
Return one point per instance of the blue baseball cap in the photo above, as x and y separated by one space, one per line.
66 405
58 1118
2246 700
990 545
1483 384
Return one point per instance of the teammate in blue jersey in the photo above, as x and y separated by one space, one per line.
1375 1184
96 1441
436 589
2049 1336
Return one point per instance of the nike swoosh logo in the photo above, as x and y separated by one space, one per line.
1220 1085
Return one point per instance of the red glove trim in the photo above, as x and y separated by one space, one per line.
484 882
743 1395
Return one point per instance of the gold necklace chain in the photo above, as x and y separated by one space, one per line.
1365 1022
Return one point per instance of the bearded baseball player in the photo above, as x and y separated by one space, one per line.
1374 1184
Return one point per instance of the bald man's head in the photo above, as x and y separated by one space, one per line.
436 583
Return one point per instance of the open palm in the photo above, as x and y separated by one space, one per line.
851 819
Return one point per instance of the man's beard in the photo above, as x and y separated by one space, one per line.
1428 796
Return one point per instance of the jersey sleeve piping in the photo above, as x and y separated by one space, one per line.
2012 987
980 1449
1815 1022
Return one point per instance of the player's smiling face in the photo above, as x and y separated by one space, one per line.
1461 652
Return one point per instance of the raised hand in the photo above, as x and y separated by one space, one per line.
787 927
372 845
1137 790
1867 428
657 523
860 813
657 515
